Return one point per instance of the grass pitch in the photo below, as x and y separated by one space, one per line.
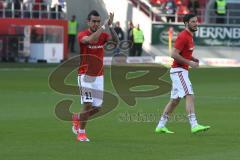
29 129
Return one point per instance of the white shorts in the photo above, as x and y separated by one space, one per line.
181 85
91 89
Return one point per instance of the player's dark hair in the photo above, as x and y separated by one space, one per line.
93 13
187 17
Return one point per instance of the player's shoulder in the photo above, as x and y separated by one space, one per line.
84 32
105 34
182 33
182 36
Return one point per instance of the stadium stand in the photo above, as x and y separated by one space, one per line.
156 9
33 9
21 19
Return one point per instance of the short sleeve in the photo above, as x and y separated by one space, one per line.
107 36
180 43
80 36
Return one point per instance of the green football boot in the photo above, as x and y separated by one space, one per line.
163 130
199 128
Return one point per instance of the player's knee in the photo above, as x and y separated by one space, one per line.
175 102
87 108
190 97
87 105
97 109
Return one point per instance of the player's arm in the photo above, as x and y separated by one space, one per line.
195 59
180 59
114 36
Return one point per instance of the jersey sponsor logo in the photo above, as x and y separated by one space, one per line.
95 46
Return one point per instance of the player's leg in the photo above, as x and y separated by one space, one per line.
97 94
94 110
169 108
185 90
190 108
80 121
172 104
190 104
84 115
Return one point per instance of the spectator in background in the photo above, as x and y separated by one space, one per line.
129 32
62 3
48 4
38 7
138 39
120 34
170 9
8 8
193 6
17 8
119 31
72 32
221 10
1 8
27 5
130 36
56 9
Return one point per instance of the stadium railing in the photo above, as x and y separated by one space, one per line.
205 16
33 10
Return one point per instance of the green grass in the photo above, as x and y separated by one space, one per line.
29 129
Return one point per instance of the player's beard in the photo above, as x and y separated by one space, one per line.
192 29
93 29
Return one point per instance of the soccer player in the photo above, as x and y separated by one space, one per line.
181 85
90 78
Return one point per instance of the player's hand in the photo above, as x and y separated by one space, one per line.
194 64
196 60
110 20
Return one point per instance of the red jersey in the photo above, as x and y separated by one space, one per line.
185 44
91 60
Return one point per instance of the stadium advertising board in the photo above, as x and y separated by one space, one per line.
207 35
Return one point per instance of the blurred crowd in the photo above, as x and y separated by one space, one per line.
33 8
171 8
176 8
